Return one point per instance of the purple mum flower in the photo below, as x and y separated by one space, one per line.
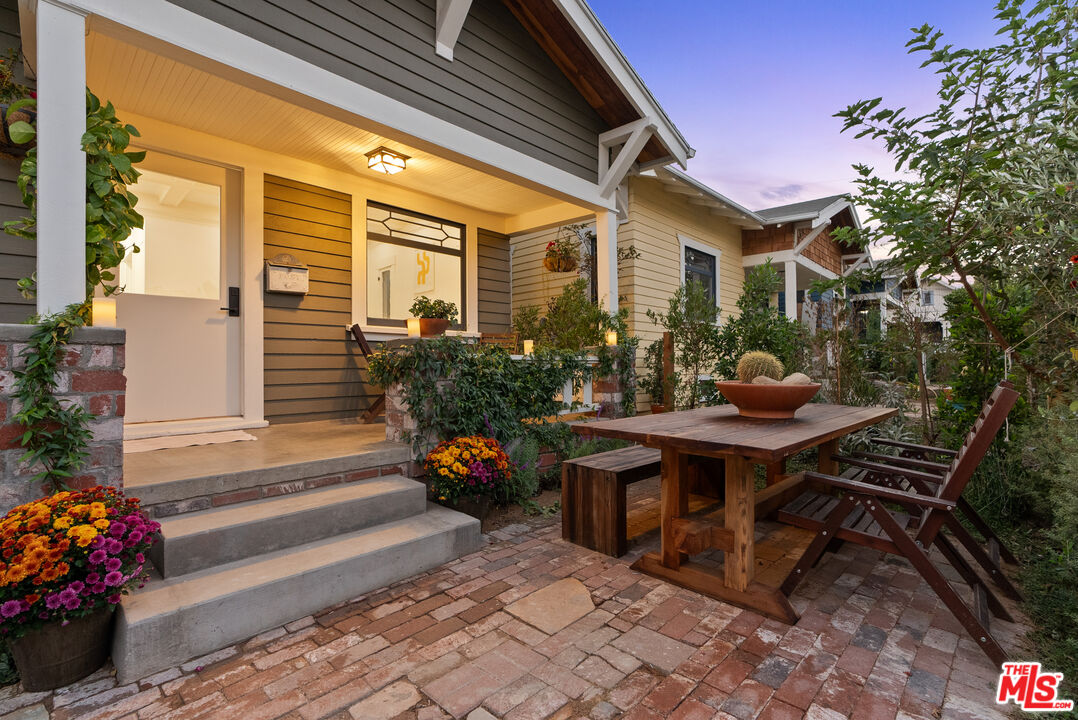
97 557
93 579
73 603
99 587
114 599
113 546
11 608
140 558
113 564
116 529
67 594
114 578
77 586
135 536
53 601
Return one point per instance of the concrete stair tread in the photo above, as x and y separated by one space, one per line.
256 510
204 586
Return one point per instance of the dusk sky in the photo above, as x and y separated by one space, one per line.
753 85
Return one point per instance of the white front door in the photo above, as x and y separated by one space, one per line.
183 343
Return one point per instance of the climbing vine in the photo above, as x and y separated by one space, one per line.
56 434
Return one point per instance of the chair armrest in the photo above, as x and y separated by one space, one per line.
912 463
888 469
914 446
887 494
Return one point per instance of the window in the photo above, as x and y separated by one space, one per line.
177 252
700 262
926 297
410 254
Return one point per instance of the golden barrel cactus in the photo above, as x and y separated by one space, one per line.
756 363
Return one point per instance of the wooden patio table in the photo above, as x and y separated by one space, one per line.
742 442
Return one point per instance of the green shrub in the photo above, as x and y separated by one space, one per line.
424 307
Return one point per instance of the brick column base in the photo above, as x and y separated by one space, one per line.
91 375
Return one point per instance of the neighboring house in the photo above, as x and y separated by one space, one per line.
797 240
261 119
886 300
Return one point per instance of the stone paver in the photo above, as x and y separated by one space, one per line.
872 642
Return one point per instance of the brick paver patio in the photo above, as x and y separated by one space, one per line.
873 642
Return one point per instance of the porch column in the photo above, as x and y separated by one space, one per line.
606 258
61 164
790 268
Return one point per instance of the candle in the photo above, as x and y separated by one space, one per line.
104 312
413 327
611 337
529 347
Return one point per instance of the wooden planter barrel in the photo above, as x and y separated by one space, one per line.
56 655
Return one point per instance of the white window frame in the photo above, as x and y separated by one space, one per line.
684 241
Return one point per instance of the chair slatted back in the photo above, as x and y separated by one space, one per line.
506 340
361 340
970 455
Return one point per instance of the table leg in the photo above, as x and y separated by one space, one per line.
674 501
826 465
775 471
741 521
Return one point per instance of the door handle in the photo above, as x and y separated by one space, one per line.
233 302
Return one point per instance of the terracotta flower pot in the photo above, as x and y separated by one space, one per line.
766 401
432 327
56 655
555 263
655 408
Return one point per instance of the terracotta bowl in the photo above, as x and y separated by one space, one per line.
766 401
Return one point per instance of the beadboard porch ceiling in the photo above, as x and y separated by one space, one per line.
140 81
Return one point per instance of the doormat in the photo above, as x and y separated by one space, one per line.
176 441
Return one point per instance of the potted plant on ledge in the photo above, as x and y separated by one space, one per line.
67 560
467 473
434 316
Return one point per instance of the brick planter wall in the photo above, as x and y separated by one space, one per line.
92 376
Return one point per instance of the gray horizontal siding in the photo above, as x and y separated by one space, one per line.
500 85
18 257
495 301
313 370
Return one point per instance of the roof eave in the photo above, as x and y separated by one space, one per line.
599 41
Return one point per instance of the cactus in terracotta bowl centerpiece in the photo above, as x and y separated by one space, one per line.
762 392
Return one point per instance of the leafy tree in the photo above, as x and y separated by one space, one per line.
691 319
759 326
986 186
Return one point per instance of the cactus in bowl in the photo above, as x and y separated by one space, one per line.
756 364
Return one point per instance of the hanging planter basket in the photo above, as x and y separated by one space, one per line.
556 263
7 145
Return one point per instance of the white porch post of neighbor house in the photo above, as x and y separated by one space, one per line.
61 163
790 269
606 258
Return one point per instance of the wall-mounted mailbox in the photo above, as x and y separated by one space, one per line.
286 274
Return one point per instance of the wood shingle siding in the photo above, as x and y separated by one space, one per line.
500 85
18 257
313 369
495 302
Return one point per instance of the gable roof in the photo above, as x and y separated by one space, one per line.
698 193
800 210
571 34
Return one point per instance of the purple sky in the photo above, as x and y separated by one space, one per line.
753 85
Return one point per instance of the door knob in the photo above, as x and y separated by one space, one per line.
233 302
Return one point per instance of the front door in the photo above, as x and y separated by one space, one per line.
183 344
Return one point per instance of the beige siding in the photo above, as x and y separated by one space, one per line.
533 284
313 370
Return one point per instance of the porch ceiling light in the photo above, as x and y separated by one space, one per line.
386 161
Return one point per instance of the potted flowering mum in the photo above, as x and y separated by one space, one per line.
466 473
66 561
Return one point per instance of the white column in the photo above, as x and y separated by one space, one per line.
790 268
61 163
253 310
606 258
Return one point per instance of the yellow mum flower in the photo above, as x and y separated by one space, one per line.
101 524
97 510
62 523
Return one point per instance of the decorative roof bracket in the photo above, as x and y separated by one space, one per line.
632 138
449 19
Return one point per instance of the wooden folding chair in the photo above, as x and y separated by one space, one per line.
505 340
378 405
859 515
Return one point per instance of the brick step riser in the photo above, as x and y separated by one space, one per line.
201 495
214 546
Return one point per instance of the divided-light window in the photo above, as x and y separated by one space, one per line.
410 254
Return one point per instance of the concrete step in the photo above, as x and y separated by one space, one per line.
174 620
200 540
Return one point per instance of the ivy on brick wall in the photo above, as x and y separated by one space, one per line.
56 435
455 388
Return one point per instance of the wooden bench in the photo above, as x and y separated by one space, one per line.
593 496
